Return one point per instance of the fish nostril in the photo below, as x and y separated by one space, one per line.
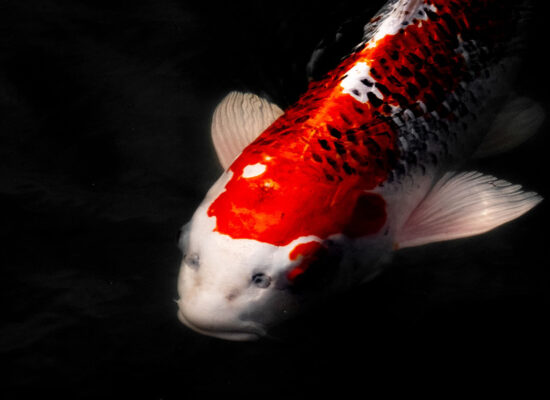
231 296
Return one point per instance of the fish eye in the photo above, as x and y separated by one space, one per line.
192 260
261 280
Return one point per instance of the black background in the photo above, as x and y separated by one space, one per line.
105 152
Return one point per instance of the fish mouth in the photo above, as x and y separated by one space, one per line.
249 333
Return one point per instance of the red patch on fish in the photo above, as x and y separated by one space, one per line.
327 153
308 251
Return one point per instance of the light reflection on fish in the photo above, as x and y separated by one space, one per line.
366 162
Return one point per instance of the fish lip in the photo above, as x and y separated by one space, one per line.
250 334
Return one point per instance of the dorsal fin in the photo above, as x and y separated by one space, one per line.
237 121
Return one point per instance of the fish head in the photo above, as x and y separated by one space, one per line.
238 289
255 257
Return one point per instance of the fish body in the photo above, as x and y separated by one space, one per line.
364 163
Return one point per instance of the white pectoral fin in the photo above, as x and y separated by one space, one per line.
518 120
237 121
462 205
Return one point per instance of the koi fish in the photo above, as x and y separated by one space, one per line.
366 162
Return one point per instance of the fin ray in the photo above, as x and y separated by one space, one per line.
237 121
462 205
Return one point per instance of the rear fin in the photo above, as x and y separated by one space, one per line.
462 205
518 120
237 121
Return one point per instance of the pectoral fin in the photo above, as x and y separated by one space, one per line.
518 120
462 205
237 121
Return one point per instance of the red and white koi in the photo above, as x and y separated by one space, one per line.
364 163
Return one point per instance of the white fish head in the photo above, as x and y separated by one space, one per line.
233 289
238 289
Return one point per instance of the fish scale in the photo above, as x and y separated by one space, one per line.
419 85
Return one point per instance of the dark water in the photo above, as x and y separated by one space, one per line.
105 152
